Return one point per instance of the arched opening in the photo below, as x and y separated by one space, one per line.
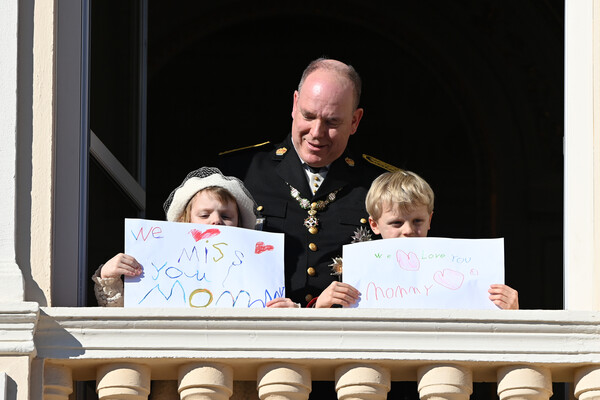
468 95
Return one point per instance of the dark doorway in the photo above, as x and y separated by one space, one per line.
468 94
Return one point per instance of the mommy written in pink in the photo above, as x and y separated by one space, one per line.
377 292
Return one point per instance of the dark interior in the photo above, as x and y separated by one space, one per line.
468 94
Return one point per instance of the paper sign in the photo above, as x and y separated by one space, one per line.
194 265
424 272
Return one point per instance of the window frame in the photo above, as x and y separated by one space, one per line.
581 266
75 143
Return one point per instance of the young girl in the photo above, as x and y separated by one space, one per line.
205 196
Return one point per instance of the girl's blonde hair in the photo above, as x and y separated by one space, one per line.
211 177
221 194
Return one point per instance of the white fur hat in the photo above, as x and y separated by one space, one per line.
205 177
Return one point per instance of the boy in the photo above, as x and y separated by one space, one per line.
400 204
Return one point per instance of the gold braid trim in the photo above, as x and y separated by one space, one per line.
243 148
379 163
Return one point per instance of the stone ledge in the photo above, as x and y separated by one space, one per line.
401 339
18 323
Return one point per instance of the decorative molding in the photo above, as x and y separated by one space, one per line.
18 323
559 340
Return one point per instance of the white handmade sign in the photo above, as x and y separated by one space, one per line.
194 265
424 272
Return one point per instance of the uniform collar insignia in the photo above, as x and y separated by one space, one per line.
349 161
281 151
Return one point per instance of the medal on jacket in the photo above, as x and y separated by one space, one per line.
312 222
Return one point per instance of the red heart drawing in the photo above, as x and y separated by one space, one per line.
199 235
262 247
449 278
409 262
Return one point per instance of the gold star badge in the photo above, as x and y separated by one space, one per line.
349 161
281 151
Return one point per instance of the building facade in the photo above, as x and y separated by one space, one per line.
46 350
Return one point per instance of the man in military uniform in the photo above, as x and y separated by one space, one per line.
310 187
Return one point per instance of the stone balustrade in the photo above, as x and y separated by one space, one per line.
281 352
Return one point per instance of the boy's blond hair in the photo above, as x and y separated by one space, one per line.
403 188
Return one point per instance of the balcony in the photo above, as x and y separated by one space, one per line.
283 351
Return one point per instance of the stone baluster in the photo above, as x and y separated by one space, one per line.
206 381
123 381
521 382
362 382
587 383
282 381
58 382
445 381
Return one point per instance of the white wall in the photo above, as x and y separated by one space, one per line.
581 182
11 281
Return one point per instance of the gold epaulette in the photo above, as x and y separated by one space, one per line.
243 148
379 163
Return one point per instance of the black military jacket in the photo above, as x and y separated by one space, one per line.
267 173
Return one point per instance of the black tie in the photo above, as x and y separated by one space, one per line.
313 169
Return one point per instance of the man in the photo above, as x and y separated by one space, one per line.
310 187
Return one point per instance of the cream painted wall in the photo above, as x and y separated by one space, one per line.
18 370
596 146
582 224
42 149
11 279
8 126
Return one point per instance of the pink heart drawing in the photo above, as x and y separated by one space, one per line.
262 247
449 278
199 235
409 262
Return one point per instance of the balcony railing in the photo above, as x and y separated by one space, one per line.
283 351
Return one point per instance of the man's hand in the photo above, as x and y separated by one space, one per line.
282 302
337 293
121 264
504 297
